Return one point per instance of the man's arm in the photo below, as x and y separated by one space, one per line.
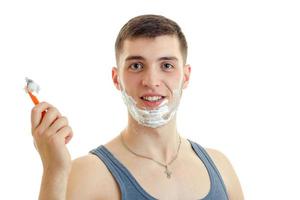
54 185
228 174
51 133
90 179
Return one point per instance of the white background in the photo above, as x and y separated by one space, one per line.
243 97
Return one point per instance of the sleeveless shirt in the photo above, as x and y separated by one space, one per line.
132 190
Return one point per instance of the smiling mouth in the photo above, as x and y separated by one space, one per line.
152 101
152 98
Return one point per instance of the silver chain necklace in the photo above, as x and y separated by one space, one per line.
166 166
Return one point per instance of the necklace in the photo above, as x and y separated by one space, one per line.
166 166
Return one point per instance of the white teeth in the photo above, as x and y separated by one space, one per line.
153 98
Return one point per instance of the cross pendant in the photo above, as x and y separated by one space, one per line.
168 172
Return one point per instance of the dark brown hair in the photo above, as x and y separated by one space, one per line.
150 26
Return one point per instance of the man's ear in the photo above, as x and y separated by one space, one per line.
186 75
115 77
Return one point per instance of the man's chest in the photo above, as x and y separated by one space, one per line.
188 179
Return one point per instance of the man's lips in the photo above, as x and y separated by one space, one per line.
152 100
152 103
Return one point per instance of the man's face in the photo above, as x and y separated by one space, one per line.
151 69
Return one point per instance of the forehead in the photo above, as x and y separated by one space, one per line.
151 48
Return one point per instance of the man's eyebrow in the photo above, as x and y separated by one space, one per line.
142 58
168 58
134 58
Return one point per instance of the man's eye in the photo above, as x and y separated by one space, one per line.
136 66
168 66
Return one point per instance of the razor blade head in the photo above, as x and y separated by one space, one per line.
31 85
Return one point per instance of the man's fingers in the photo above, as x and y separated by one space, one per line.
66 132
36 113
58 124
50 118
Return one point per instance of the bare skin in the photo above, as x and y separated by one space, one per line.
51 133
142 70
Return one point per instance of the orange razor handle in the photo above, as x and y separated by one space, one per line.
35 101
33 98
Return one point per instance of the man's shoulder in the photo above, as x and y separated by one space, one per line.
221 161
227 172
89 165
216 155
90 179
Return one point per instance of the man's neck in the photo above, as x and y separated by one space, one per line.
160 143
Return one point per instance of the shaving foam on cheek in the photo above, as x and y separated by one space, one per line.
152 118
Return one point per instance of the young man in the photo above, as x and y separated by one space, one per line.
149 159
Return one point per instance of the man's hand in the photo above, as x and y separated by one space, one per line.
51 133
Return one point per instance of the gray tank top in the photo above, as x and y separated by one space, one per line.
131 190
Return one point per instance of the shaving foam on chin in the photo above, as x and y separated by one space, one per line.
156 117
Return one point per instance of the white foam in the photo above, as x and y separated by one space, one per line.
32 86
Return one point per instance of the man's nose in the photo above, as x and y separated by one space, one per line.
151 78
